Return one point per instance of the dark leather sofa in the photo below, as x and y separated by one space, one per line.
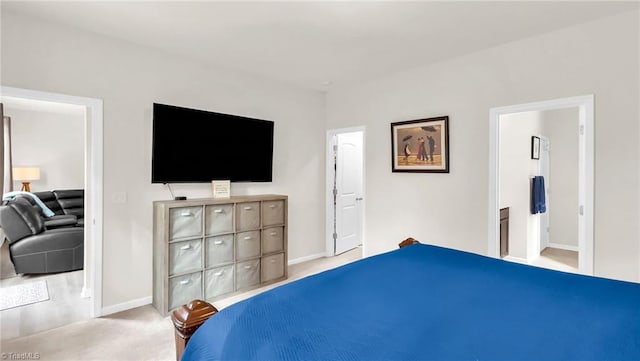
39 244
67 202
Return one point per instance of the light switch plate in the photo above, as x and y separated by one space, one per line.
119 197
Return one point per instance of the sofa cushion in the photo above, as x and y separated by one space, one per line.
37 207
71 201
19 219
50 200
65 220
54 239
13 225
29 215
51 251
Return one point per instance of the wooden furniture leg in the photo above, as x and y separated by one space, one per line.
407 242
186 321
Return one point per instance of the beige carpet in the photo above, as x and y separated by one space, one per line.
138 334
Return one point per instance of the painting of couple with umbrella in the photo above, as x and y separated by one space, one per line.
420 145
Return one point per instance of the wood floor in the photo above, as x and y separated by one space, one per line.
65 306
6 267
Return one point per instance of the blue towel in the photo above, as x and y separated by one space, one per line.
538 202
47 212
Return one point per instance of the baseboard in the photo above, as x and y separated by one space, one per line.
126 305
86 292
306 258
563 246
516 259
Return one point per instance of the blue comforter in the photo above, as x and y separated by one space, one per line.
429 303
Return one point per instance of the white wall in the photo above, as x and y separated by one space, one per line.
44 56
561 127
54 142
598 58
516 170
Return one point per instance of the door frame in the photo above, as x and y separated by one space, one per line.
542 245
329 186
93 178
585 105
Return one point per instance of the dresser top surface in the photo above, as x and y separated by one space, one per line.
234 199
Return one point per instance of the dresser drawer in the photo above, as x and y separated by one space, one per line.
272 213
272 240
247 245
218 281
183 289
247 216
185 222
272 267
218 219
247 274
185 256
219 250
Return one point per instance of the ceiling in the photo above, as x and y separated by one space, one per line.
317 45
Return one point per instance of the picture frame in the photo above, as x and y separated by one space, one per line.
535 147
221 189
420 146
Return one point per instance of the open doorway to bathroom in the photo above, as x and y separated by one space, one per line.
541 184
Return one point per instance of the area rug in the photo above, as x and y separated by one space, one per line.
24 294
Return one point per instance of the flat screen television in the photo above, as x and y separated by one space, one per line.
196 146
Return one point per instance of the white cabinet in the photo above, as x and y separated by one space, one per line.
212 248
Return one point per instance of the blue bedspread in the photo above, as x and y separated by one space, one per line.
429 303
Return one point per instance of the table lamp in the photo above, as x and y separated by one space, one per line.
25 175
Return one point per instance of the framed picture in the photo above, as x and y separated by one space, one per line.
221 189
420 146
535 147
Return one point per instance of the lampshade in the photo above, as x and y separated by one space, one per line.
26 173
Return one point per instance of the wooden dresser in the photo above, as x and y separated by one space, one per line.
212 248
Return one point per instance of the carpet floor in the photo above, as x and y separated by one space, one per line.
137 334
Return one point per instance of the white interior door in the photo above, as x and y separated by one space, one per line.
348 191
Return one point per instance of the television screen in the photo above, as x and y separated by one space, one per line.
193 146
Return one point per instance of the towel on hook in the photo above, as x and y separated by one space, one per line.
538 203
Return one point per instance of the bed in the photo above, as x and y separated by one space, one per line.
424 302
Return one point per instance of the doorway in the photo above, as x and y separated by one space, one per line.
345 190
537 226
93 184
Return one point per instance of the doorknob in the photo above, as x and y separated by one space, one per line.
359 199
